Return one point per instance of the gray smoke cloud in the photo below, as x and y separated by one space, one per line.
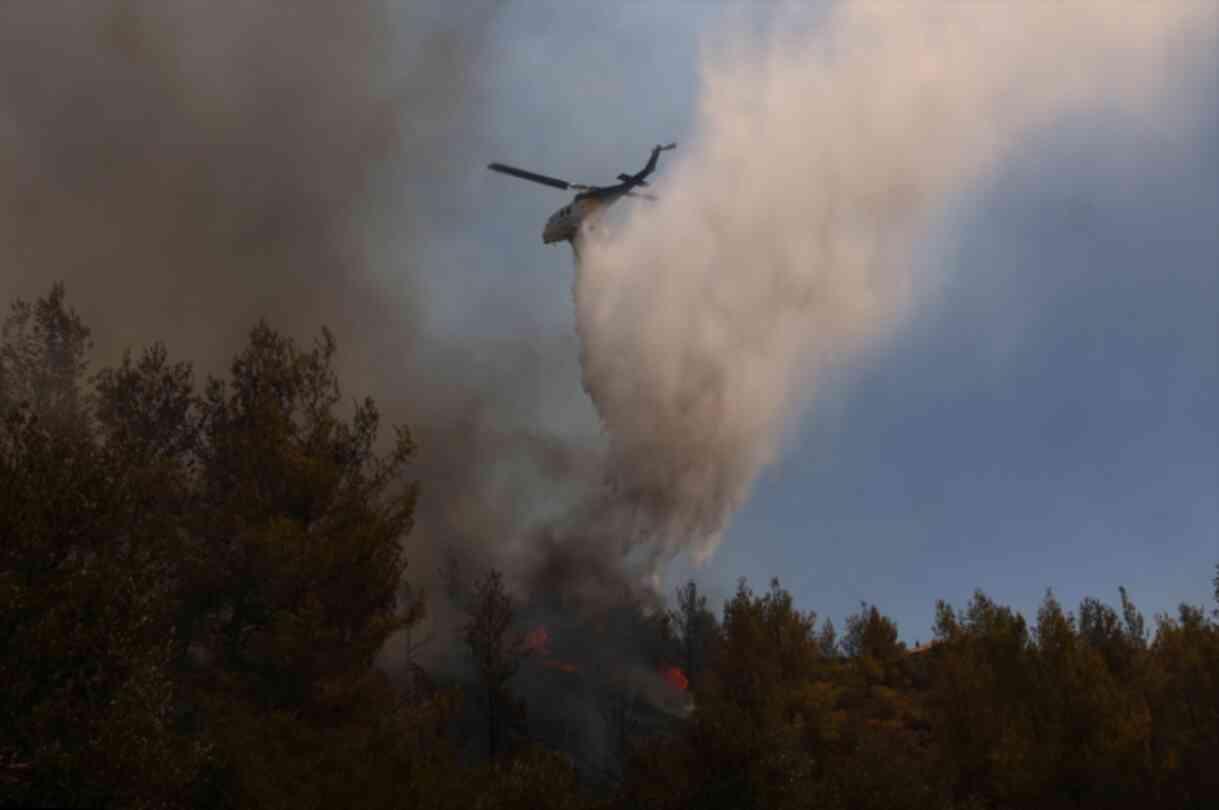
782 242
186 171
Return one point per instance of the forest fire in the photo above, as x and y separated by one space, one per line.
536 641
675 678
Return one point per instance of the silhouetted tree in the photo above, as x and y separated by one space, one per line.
981 689
753 705
695 629
827 639
1184 696
291 574
43 358
1216 583
195 586
497 650
87 697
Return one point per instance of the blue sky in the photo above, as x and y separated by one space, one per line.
1052 422
1050 419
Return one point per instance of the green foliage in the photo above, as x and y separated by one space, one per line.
1183 690
1081 713
43 358
752 709
196 583
295 558
871 634
783 720
291 571
1076 712
533 779
87 697
983 678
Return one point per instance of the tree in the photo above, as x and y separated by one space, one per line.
87 697
870 633
199 584
695 627
982 685
1184 696
782 720
290 574
881 753
43 359
196 583
497 651
827 639
532 779
1132 619
870 641
754 705
1216 583
148 410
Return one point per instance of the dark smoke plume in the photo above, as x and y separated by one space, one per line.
187 169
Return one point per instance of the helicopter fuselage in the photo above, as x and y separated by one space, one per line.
569 222
564 225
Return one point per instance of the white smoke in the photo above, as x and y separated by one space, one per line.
782 239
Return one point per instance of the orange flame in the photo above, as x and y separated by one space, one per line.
536 640
675 678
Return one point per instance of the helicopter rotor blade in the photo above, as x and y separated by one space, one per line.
553 182
643 195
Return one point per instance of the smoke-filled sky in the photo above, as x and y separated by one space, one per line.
928 302
952 268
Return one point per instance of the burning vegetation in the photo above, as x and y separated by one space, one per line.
198 583
676 678
234 591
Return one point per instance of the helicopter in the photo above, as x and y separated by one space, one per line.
566 224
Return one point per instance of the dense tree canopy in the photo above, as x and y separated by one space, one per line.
196 581
196 584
